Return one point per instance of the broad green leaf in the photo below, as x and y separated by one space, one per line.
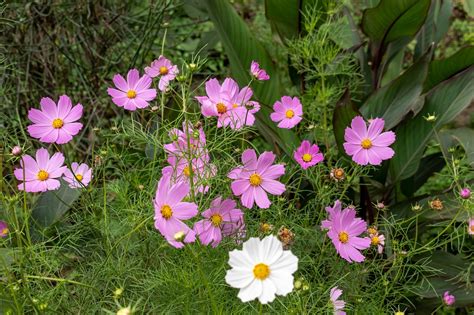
344 112
463 136
445 101
443 69
285 17
394 19
429 165
241 48
395 100
52 204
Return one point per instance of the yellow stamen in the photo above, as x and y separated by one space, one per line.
472 228
4 231
163 70
307 157
187 171
221 108
131 94
166 212
42 175
366 143
375 240
79 177
372 230
216 219
235 105
58 123
289 113
261 271
255 179
343 237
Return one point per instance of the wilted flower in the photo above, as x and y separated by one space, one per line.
380 205
436 204
368 145
16 150
258 73
372 230
288 112
55 124
465 193
41 174
262 269
133 93
80 175
337 304
266 227
448 299
307 155
164 69
3 229
337 174
256 178
286 237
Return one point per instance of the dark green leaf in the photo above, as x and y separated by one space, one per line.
344 112
285 17
429 165
463 136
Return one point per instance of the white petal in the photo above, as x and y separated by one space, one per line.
271 249
268 292
287 263
250 292
283 282
240 259
251 247
238 278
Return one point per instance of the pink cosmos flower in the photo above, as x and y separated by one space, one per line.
344 229
327 224
80 175
470 228
338 305
256 178
55 124
201 174
3 229
170 210
288 112
178 149
163 68
448 299
133 93
379 241
42 174
221 219
307 155
368 145
243 110
465 193
258 73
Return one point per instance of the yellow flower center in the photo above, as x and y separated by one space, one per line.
255 179
375 240
4 231
163 70
166 212
372 230
472 228
307 157
366 143
339 173
79 177
261 271
289 113
43 175
58 123
235 105
221 108
216 219
131 94
187 171
343 237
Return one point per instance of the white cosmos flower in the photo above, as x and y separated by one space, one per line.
262 269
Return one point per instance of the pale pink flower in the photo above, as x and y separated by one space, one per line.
178 149
170 210
378 240
133 93
78 176
368 145
55 124
164 69
221 219
288 112
470 228
218 100
243 110
327 224
41 174
257 72
448 299
337 304
307 155
199 172
17 151
256 178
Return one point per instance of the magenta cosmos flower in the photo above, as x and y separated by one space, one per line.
3 229
288 112
243 110
344 230
42 174
470 228
201 174
187 143
368 145
338 305
78 176
307 155
448 299
55 124
164 69
170 210
221 219
256 178
465 193
258 73
133 93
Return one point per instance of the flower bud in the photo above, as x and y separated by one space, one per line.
465 193
124 311
16 151
179 236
